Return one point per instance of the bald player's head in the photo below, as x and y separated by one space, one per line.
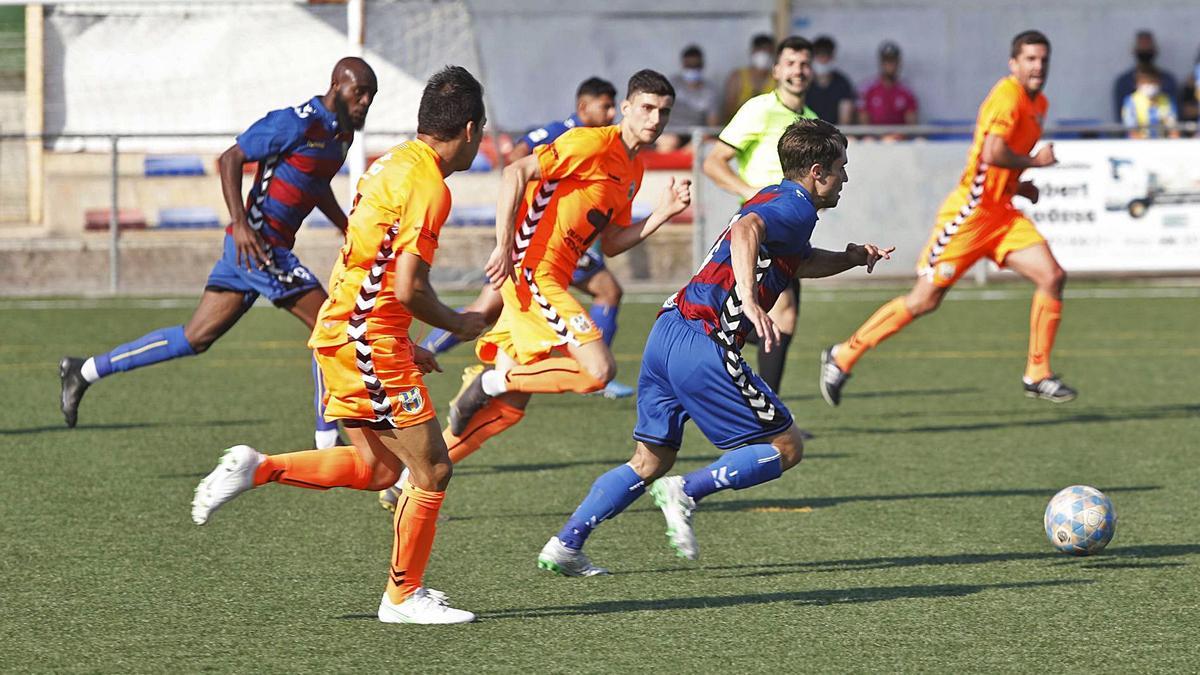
352 86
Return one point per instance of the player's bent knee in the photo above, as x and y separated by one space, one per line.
652 464
434 477
382 477
790 445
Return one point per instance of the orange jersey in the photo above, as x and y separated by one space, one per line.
401 205
588 183
1007 112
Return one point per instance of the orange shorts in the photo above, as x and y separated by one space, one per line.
375 383
539 317
958 242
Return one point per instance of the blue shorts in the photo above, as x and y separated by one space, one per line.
284 280
591 262
687 375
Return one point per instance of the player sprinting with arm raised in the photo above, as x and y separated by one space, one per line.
373 372
298 150
564 196
978 220
595 106
692 366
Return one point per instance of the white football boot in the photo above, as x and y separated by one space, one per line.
233 476
422 607
556 557
677 507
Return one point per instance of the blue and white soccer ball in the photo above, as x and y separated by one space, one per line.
1080 520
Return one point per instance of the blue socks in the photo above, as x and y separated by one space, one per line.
605 318
161 345
319 398
611 494
440 340
739 469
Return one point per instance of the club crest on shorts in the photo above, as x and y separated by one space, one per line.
945 270
580 323
411 401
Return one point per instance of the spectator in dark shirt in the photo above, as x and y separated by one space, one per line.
886 100
831 95
696 102
1145 50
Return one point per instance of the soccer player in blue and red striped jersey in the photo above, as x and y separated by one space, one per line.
692 367
298 151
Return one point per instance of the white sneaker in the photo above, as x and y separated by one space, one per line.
422 607
233 476
391 496
677 507
556 557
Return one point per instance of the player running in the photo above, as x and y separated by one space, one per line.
372 370
565 195
298 150
978 220
692 367
751 138
595 106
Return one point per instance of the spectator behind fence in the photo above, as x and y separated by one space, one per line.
1145 51
1148 112
831 94
887 100
696 101
750 81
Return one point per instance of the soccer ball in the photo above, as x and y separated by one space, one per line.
1080 520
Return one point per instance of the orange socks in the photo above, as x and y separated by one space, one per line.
884 323
415 525
1044 318
493 418
552 376
316 469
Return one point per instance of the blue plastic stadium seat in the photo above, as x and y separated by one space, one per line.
466 216
173 165
188 218
948 122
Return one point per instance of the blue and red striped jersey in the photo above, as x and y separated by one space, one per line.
547 134
298 150
709 302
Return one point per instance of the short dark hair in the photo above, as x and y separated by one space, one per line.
794 43
452 97
824 45
648 81
762 40
1028 37
807 142
594 86
692 51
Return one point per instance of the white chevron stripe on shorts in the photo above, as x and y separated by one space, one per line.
951 228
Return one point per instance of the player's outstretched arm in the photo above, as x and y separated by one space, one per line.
745 238
328 203
675 198
824 263
716 167
513 180
997 153
248 242
414 290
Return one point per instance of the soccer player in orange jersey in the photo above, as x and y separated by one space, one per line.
564 195
373 372
978 220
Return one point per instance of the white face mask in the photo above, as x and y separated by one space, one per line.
761 60
692 75
1148 90
821 69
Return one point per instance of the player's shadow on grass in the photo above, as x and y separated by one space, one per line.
469 469
826 502
833 596
892 393
1166 412
1111 558
126 426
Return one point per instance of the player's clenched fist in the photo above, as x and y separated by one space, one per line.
1045 156
425 360
676 197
